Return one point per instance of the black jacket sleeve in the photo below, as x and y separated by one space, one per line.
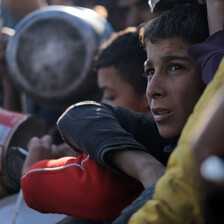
98 129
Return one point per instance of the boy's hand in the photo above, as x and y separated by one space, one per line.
43 148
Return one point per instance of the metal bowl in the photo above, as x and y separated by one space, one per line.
50 56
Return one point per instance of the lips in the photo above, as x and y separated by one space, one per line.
160 114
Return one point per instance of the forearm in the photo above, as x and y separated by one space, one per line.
43 148
100 129
215 9
90 193
95 129
208 55
139 165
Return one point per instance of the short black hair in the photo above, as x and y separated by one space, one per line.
186 22
164 5
125 52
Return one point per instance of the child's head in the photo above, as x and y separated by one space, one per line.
174 82
120 67
160 6
186 22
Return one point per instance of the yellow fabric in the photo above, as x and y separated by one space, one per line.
177 196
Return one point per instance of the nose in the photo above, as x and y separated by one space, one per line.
156 87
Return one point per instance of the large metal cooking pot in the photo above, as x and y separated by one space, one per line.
51 54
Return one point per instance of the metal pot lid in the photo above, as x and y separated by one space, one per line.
51 53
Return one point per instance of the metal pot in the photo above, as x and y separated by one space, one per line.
50 56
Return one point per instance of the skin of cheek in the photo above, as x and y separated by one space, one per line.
122 92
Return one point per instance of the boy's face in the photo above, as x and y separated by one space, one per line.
174 84
118 92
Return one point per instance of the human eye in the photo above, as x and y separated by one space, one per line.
108 97
149 72
176 67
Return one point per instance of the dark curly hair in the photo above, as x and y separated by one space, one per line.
186 22
125 52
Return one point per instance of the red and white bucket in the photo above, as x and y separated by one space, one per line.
16 129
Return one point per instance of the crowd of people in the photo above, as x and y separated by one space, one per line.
150 150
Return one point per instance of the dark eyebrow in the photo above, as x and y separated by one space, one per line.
103 88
